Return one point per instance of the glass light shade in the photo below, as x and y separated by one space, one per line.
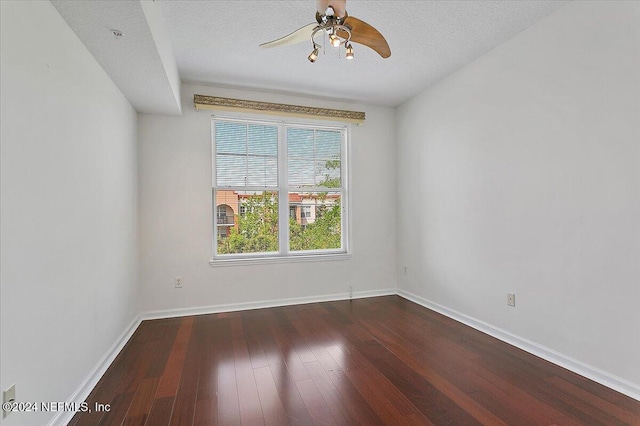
335 40
349 54
313 56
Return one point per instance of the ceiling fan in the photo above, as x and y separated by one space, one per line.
332 20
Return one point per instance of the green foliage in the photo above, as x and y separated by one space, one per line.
323 233
257 228
332 164
330 182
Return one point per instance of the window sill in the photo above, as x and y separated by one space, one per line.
239 261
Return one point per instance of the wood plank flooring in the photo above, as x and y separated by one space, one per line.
373 361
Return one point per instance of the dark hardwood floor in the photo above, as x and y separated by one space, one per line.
381 360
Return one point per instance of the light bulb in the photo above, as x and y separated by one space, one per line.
313 55
349 54
335 40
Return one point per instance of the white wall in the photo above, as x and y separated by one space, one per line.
521 173
68 208
176 214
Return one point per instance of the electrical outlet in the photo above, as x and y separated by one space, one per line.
511 299
178 282
8 396
405 270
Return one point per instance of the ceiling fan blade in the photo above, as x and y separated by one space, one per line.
298 36
363 33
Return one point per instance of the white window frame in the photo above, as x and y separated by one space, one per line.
283 255
305 214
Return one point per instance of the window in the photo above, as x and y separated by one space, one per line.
221 215
224 220
286 182
306 211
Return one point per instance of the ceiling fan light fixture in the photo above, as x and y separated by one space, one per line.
313 56
334 40
338 29
349 52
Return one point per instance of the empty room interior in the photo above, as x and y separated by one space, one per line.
320 212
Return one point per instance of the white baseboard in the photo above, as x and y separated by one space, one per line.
604 378
87 385
232 307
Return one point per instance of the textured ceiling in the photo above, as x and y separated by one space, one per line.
216 42
141 63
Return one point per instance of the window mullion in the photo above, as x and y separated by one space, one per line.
344 188
313 157
214 183
246 150
283 193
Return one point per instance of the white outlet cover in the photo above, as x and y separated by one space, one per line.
8 396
